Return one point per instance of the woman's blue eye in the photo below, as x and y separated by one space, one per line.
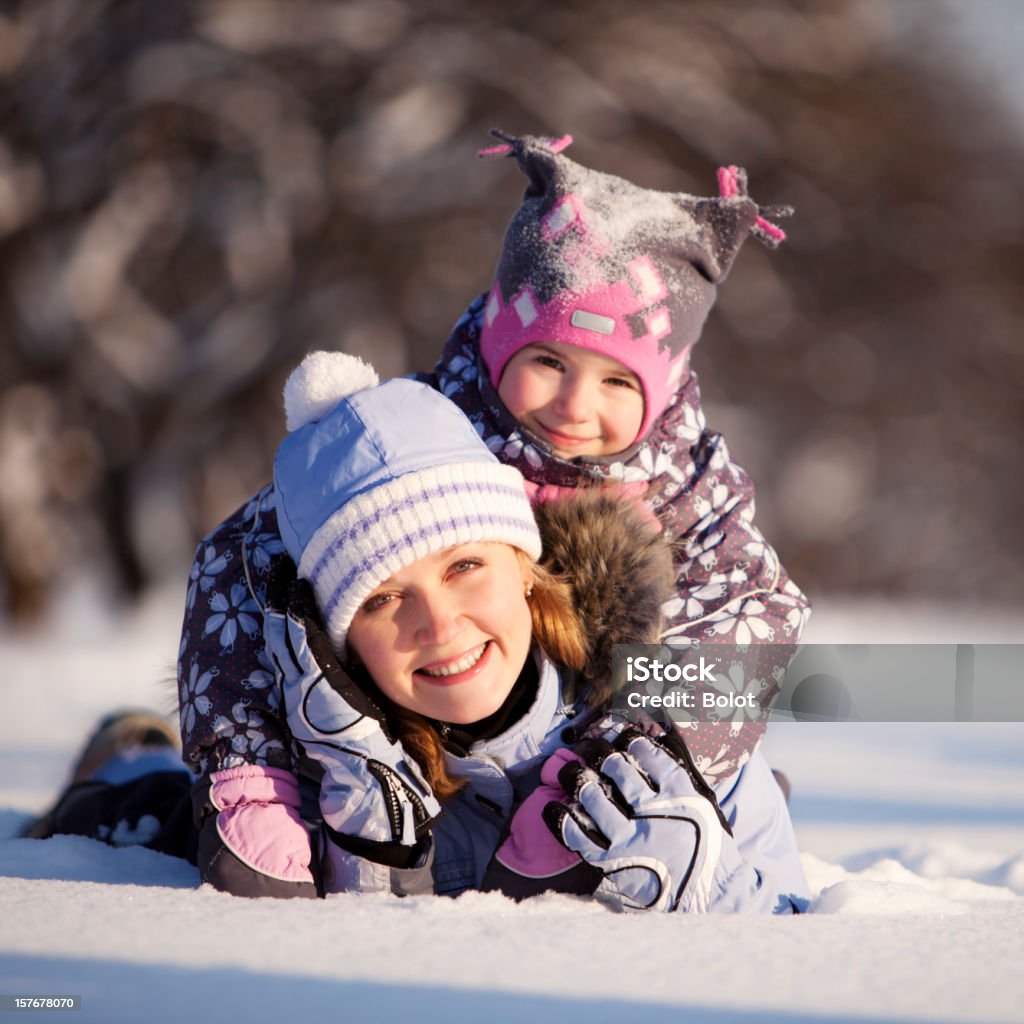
465 565
377 601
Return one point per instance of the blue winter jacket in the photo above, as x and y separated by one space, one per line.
764 874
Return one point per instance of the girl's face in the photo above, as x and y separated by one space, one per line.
448 635
581 402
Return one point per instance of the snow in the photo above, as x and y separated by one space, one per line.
913 840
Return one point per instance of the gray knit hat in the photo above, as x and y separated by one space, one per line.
593 260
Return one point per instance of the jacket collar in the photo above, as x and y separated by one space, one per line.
537 733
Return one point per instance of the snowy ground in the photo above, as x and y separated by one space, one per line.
913 840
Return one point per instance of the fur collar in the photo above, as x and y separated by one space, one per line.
620 570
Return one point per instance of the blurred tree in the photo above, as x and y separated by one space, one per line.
194 194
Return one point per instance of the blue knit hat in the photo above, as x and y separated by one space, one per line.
373 477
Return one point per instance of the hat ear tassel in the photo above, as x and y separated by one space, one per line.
732 182
533 154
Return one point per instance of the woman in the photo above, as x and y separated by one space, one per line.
428 673
446 705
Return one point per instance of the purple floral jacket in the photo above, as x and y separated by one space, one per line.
731 588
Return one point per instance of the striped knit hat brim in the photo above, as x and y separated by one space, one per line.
383 530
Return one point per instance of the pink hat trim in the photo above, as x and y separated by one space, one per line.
523 321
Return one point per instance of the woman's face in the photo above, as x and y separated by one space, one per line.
448 635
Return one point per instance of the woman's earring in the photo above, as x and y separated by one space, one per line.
529 590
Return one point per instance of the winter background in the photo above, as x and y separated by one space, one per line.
141 198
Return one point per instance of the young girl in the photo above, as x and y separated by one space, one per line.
424 660
575 370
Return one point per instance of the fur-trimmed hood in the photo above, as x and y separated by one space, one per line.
620 570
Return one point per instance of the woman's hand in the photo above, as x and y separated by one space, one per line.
640 813
373 798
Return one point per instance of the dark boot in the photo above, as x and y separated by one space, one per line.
116 732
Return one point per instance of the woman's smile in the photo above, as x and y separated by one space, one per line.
459 669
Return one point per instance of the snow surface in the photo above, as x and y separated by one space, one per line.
913 839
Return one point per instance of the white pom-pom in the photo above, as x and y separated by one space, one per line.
320 382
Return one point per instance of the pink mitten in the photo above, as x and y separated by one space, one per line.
259 822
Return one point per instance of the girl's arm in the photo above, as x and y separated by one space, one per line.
730 590
731 586
252 841
227 699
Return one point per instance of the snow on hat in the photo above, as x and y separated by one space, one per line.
373 477
593 260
